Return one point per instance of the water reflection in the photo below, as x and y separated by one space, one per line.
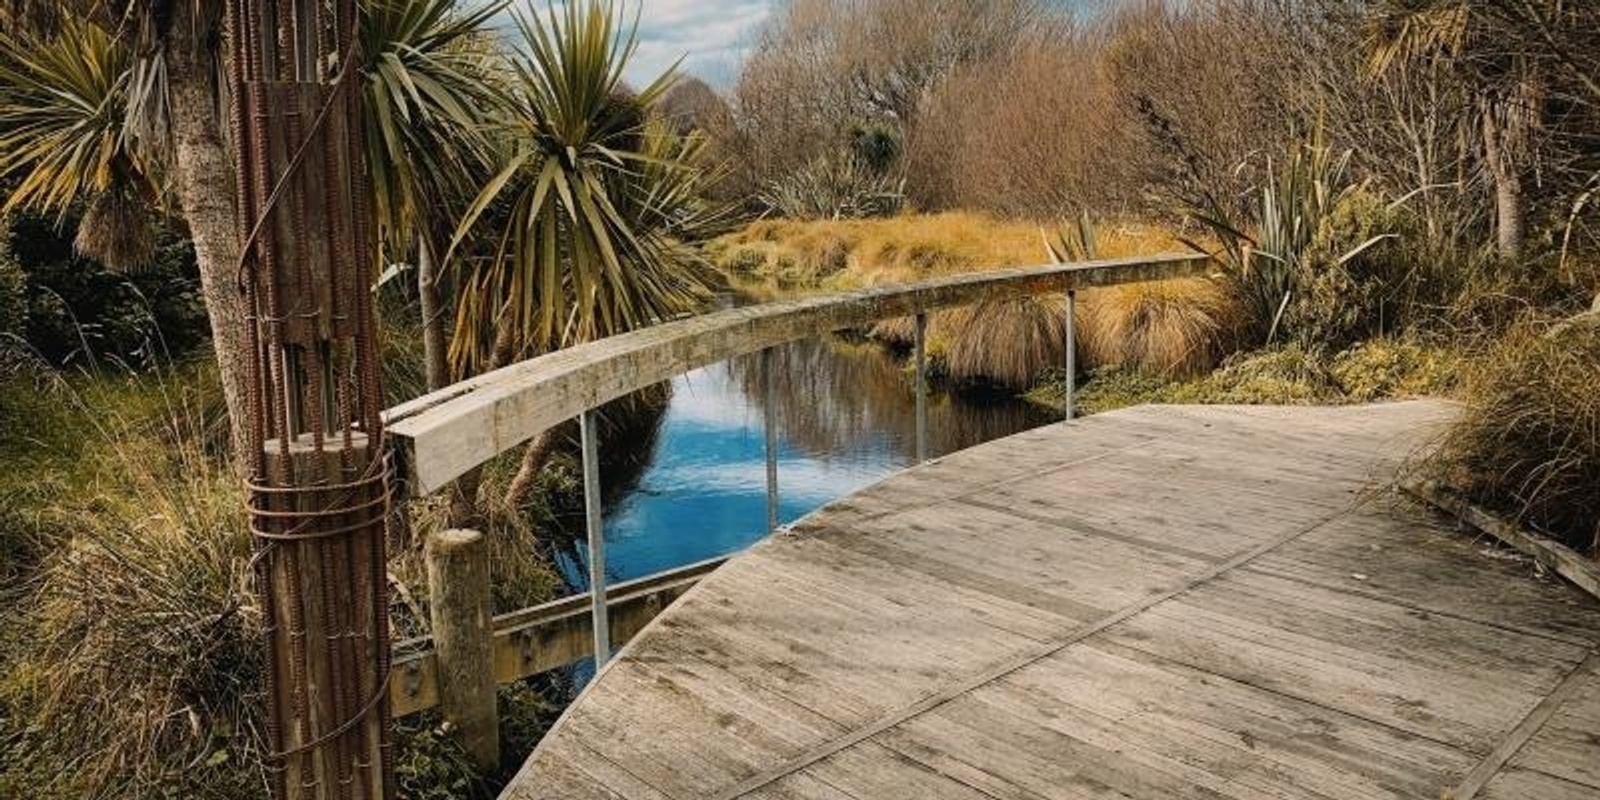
695 487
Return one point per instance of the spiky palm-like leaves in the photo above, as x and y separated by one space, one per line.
592 217
430 91
63 100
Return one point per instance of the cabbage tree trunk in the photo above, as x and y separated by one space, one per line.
1504 173
203 181
435 344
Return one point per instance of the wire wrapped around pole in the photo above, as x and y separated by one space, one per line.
319 487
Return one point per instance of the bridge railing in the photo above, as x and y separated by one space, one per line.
440 436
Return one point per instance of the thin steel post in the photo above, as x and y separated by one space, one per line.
769 376
922 387
1072 354
597 539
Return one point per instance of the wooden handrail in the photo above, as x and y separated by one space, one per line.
438 437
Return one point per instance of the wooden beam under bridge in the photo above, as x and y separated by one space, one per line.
544 637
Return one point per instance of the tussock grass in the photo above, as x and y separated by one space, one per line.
1528 440
1176 329
133 653
1008 342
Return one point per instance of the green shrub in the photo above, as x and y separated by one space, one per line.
72 304
1527 442
1379 369
1390 368
1345 291
1287 375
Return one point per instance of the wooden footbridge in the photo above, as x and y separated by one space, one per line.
1162 602
1179 602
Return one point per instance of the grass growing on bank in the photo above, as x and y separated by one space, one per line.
854 253
1173 328
1528 441
129 633
1381 369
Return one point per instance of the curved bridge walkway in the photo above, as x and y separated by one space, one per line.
1163 602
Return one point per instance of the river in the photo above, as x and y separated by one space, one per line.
846 419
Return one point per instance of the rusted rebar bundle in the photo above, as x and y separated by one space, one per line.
319 483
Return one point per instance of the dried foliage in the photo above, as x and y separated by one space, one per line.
1176 329
1528 442
840 254
1011 136
116 231
1007 342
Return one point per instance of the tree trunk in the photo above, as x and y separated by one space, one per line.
1502 164
203 178
533 460
434 343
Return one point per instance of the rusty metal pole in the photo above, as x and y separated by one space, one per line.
319 487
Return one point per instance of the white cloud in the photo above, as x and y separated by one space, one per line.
709 36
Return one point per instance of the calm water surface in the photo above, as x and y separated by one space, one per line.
846 418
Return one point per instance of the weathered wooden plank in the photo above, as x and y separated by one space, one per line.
1448 679
1382 556
1566 743
1233 738
874 771
442 435
1584 573
1523 784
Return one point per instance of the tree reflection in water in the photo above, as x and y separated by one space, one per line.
690 484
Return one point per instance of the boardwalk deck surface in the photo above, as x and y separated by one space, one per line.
1163 602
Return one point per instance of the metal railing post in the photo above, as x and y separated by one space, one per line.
769 377
922 387
1072 354
597 540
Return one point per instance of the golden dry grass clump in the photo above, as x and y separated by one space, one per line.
1175 329
1008 342
1528 439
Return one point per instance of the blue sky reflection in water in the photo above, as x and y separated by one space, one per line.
846 420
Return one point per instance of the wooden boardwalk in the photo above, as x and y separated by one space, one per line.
1163 602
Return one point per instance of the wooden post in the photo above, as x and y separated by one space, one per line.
458 588
594 524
